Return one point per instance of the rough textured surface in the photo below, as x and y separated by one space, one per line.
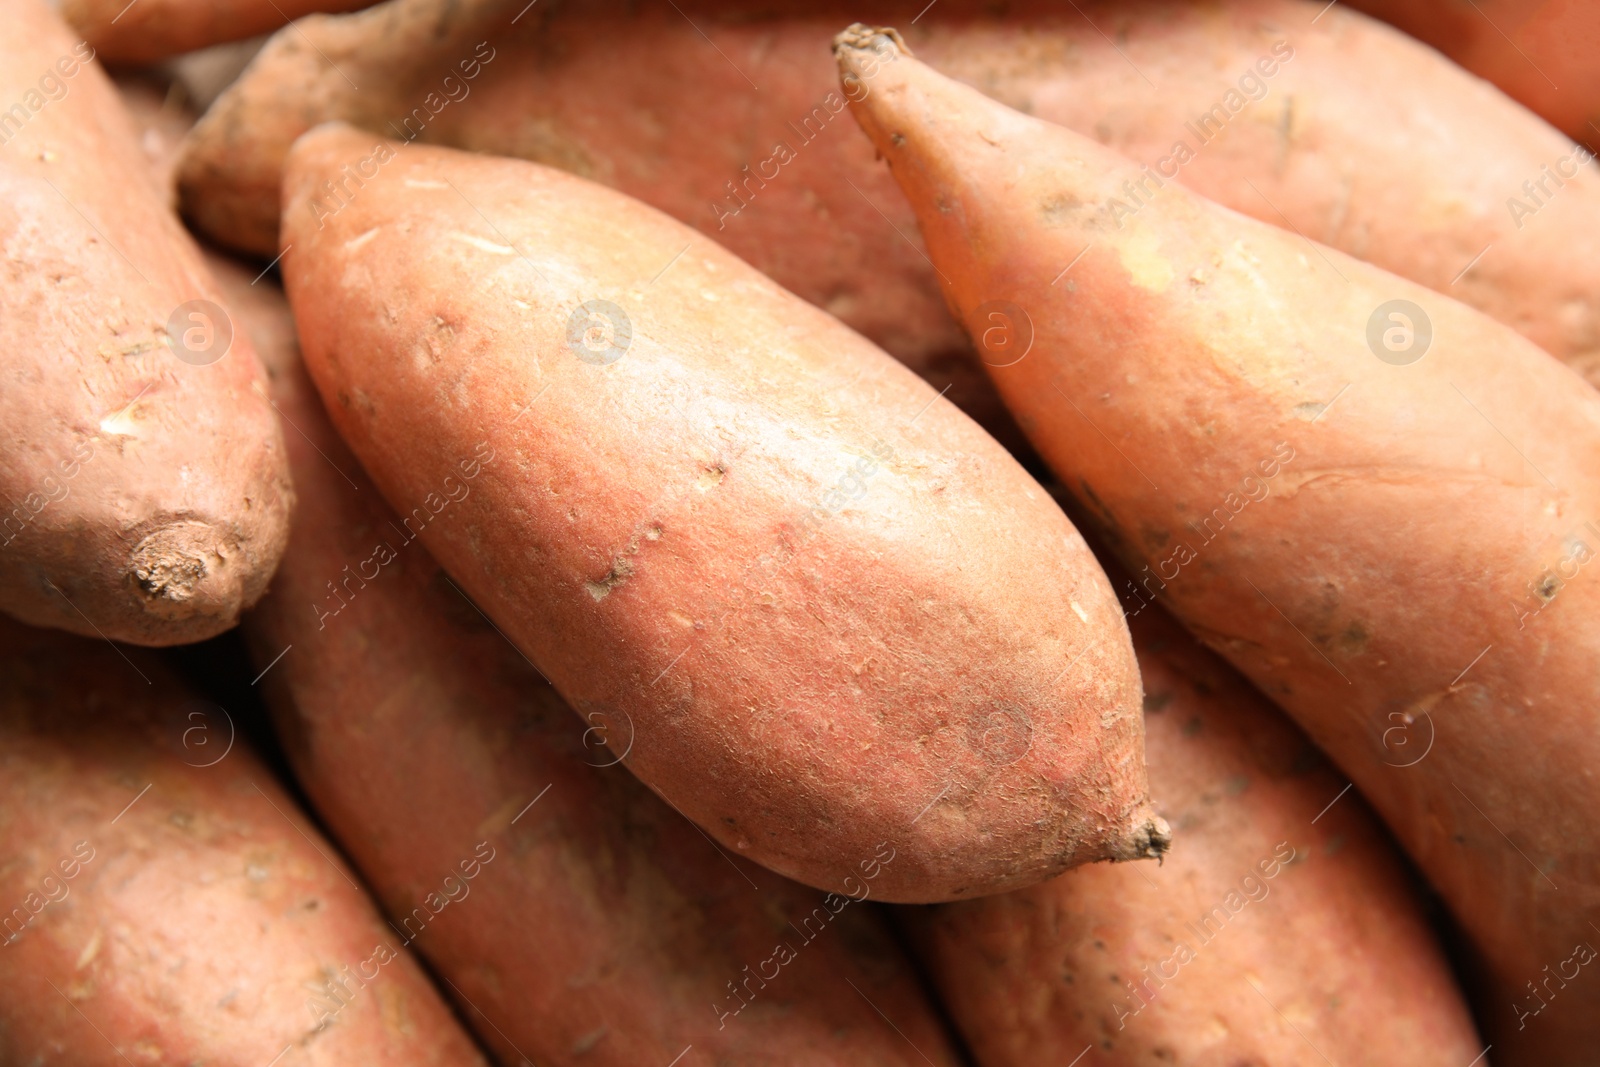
1539 51
1273 901
1364 139
1400 555
162 900
606 929
141 32
146 498
837 612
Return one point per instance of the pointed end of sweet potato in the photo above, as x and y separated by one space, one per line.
1148 838
859 37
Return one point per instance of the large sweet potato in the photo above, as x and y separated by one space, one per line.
141 32
162 900
837 612
606 928
1285 896
144 486
1375 501
1341 128
1542 52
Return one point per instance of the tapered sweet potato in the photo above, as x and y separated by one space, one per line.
144 487
164 901
1360 138
837 612
1372 499
141 32
1539 51
606 928
1284 896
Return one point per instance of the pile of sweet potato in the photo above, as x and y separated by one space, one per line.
614 533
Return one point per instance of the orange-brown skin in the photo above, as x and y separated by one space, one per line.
837 612
144 32
146 498
1361 139
1539 51
607 928
1364 139
183 909
1369 542
1278 906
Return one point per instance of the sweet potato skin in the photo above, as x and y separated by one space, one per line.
1281 903
693 139
1361 139
663 126
1541 52
147 497
798 566
1310 510
194 914
525 90
606 928
148 31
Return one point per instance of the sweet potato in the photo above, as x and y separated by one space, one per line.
1374 500
1541 52
142 32
1284 896
606 929
837 612
145 492
1362 138
164 901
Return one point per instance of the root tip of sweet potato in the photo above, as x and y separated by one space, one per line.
859 36
181 570
1149 840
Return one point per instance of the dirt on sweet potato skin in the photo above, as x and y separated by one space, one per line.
164 898
146 493
606 928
